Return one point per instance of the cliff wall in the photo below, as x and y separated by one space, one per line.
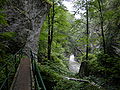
25 18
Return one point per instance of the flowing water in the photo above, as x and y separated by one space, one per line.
74 66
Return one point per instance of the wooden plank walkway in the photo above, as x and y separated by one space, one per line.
23 78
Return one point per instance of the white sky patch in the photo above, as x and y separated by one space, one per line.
69 6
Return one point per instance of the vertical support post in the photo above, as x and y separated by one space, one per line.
35 74
32 62
31 58
33 69
19 56
21 52
15 57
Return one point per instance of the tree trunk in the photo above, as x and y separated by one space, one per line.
49 40
50 30
52 22
83 68
101 21
87 28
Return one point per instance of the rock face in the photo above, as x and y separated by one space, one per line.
25 17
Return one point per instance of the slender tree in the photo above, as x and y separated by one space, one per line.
52 22
83 67
87 29
50 29
101 22
49 38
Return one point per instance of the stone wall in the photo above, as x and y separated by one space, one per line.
25 17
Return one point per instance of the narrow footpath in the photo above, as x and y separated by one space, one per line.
23 77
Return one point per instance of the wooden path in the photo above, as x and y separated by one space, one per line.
22 80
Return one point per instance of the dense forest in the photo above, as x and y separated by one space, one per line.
74 53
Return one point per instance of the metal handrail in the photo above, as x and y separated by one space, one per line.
7 72
37 84
36 73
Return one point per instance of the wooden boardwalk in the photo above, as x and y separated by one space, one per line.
22 81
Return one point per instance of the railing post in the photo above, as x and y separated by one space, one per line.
33 68
20 55
34 63
6 72
31 57
15 63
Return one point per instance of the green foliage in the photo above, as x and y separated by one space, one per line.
50 76
7 35
2 18
111 66
54 73
73 85
104 70
70 36
61 27
4 45
2 15
90 57
107 68
9 60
